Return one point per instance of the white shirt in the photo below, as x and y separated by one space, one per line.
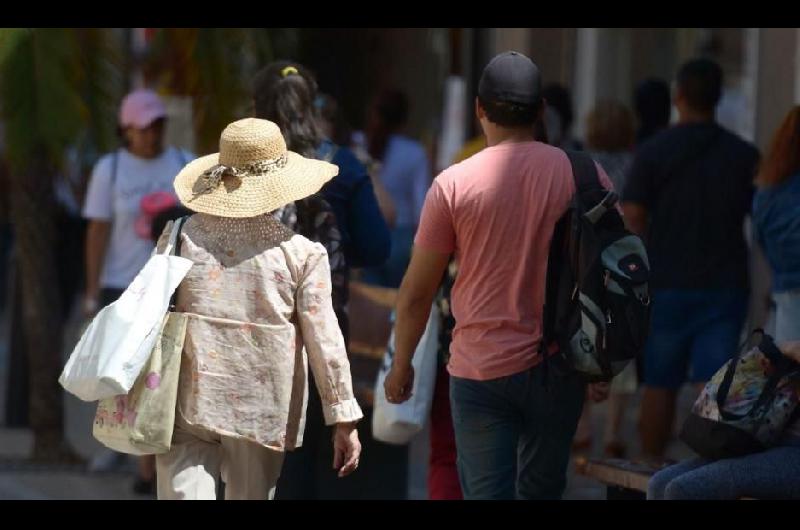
116 198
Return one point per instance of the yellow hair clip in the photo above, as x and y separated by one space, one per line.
289 70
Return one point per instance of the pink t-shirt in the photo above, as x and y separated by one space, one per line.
497 211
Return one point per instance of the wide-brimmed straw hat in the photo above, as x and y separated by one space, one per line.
252 174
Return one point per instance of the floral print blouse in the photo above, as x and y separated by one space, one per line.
314 219
258 298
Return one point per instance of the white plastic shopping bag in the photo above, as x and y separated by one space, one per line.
117 344
398 423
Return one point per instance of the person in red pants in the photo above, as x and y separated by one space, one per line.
443 481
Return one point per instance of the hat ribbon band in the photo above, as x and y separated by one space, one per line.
211 178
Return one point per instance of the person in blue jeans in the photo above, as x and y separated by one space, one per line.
688 192
496 211
770 474
776 222
775 473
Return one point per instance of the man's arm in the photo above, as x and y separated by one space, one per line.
97 236
419 287
639 193
434 243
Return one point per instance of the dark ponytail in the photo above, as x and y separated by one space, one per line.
284 92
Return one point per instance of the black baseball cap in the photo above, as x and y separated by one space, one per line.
511 77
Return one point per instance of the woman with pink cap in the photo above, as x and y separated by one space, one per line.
128 187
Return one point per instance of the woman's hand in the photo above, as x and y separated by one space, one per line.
346 448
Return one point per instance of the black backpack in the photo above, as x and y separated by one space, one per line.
596 311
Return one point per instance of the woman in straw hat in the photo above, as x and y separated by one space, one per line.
259 300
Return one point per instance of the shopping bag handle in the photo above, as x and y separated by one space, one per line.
173 242
782 367
175 245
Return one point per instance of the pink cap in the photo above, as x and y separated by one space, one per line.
140 108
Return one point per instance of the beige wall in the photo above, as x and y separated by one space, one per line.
609 62
602 69
552 49
504 39
653 54
776 80
415 60
180 129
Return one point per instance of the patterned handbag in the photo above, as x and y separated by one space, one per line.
746 405
142 421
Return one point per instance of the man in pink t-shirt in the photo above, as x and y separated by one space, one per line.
496 212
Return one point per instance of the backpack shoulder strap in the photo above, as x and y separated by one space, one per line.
591 197
176 251
584 172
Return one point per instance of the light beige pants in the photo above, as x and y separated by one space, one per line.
190 469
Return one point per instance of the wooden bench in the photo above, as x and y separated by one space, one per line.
624 480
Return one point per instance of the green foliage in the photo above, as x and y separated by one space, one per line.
215 67
56 85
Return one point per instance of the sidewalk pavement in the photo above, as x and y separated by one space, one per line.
21 480
24 481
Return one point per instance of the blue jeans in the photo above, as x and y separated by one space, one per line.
514 433
692 328
771 474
